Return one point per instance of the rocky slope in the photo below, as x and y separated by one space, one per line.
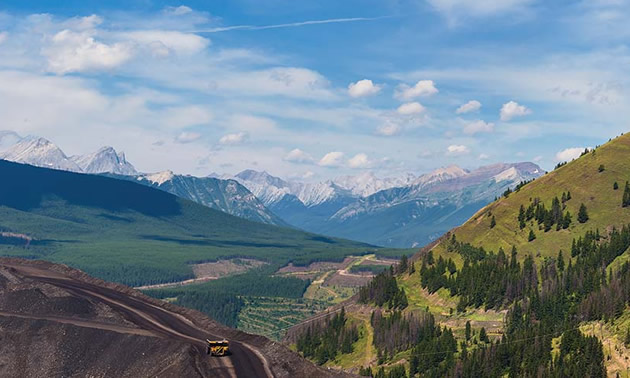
225 195
57 321
105 160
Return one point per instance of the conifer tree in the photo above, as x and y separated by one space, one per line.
566 222
403 264
615 186
493 222
531 236
582 214
521 217
560 262
625 202
468 330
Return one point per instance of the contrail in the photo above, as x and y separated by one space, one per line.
289 25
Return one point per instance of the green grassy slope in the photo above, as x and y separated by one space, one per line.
587 185
129 233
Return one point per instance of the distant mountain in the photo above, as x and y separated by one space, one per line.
399 212
39 152
105 160
225 195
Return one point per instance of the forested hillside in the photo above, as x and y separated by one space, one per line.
511 291
543 216
129 233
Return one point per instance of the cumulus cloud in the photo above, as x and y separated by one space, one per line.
308 175
421 88
363 88
457 149
3 36
389 128
187 137
483 157
332 159
470 106
410 108
478 126
512 109
569 154
235 138
298 156
71 51
359 161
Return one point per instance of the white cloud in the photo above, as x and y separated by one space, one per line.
332 159
569 154
512 109
308 175
421 88
187 137
298 156
483 157
389 128
410 108
453 8
359 161
3 36
457 149
235 138
478 126
470 106
162 42
363 88
82 23
71 51
178 11
284 81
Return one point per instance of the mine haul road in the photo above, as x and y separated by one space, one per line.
244 360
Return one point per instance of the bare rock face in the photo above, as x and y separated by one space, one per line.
56 321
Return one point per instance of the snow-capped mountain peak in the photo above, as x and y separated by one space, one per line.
159 178
105 160
441 175
39 152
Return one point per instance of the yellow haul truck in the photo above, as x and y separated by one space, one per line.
218 347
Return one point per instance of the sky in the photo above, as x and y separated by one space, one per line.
317 89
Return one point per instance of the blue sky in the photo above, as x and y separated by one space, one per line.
317 89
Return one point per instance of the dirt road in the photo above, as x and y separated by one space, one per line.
244 361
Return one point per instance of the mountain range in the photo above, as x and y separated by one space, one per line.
225 195
408 211
402 211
